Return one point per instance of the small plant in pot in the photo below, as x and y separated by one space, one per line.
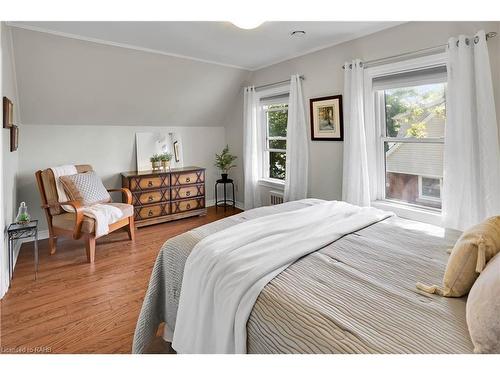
224 161
155 162
165 160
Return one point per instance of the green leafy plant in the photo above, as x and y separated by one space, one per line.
224 160
155 158
166 156
24 218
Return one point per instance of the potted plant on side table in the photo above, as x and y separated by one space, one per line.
224 161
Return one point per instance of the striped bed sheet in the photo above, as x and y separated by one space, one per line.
356 295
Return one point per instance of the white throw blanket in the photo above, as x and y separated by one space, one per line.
226 271
103 214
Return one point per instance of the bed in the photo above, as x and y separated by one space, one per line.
355 295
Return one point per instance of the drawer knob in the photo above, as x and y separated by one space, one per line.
150 183
150 198
188 179
188 206
188 193
150 213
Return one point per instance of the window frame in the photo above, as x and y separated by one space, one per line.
266 149
376 136
265 97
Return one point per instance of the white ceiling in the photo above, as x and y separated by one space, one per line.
216 42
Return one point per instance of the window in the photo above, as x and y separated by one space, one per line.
411 115
274 119
429 188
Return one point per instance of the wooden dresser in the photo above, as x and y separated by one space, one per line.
166 195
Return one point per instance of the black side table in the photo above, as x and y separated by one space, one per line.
18 231
223 203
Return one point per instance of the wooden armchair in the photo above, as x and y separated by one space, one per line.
75 224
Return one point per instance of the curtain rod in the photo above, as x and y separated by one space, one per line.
489 35
276 83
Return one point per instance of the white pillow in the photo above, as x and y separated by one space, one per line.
483 309
86 188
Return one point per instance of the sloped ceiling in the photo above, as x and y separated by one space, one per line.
64 81
219 42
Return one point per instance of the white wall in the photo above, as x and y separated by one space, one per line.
65 81
324 76
109 149
9 159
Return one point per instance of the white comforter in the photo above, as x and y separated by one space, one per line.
226 271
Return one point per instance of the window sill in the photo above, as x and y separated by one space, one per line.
272 183
423 215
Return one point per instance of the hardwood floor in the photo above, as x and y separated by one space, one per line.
77 307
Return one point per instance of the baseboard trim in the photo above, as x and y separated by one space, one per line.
44 234
211 203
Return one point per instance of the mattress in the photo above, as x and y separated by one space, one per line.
356 295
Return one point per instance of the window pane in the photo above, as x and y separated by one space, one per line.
417 111
279 144
277 120
277 165
431 187
405 163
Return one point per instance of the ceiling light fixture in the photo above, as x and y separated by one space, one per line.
297 33
247 24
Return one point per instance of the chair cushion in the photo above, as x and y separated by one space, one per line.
49 185
86 188
67 220
483 306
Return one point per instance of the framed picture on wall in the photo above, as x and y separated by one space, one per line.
8 113
326 118
14 138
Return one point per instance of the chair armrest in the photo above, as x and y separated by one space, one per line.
125 192
78 212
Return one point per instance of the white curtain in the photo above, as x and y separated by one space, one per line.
297 150
471 190
252 153
355 177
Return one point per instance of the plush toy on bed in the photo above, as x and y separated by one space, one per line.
468 258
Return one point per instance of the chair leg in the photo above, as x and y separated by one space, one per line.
52 244
90 248
131 228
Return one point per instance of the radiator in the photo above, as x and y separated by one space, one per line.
275 197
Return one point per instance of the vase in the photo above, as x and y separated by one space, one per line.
23 217
165 164
156 165
224 176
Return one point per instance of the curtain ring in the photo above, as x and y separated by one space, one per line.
476 39
457 43
361 64
467 41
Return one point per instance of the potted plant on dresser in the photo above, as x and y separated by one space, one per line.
224 161
155 162
165 160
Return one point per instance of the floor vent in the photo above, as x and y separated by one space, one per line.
276 197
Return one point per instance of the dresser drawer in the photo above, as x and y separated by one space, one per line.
149 182
188 205
150 197
188 192
187 178
151 211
